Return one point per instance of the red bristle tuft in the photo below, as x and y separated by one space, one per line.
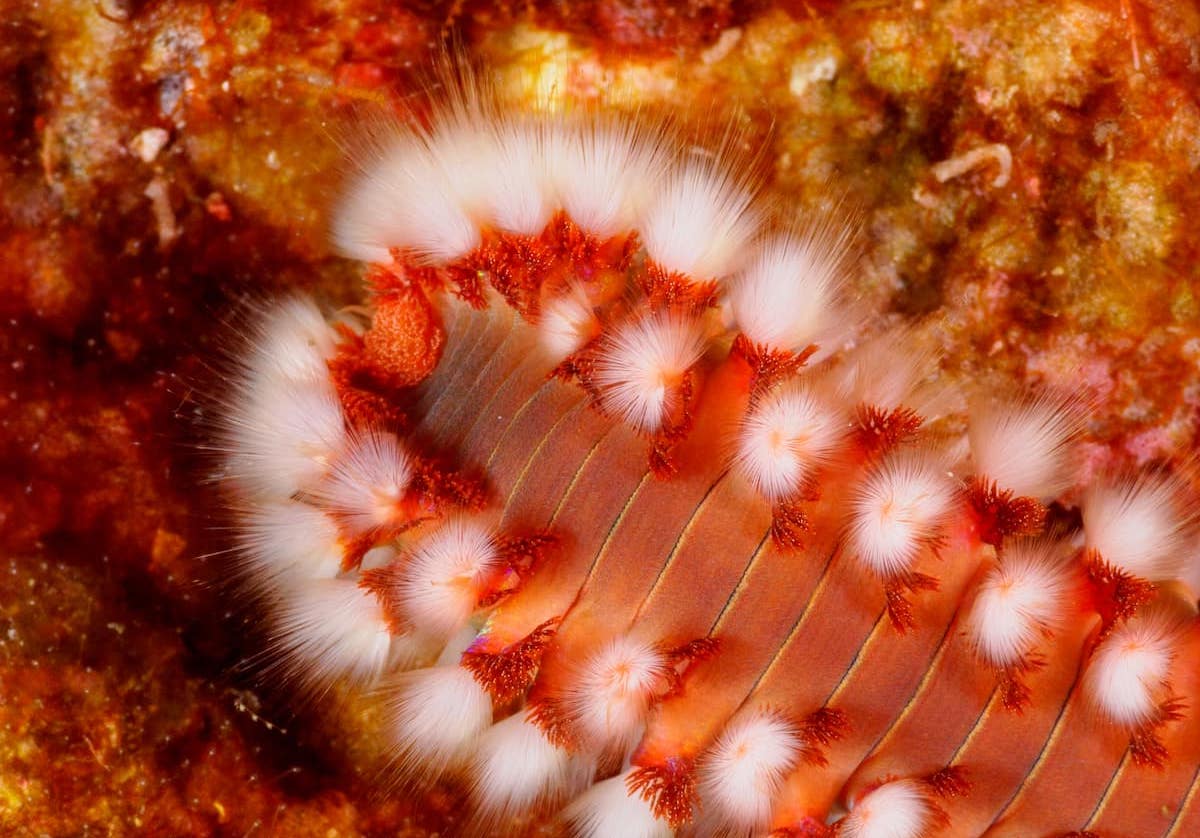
547 713
820 729
1015 694
949 782
1119 593
1145 745
670 789
516 266
999 515
825 726
383 582
768 366
440 487
466 280
789 525
666 289
897 590
879 430
507 674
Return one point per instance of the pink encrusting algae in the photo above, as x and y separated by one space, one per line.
635 524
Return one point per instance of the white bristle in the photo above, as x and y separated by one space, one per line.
292 341
445 576
1025 446
612 692
1126 678
327 629
465 142
743 772
278 540
641 364
516 769
897 511
1138 525
366 481
280 437
699 223
605 170
1019 601
434 718
887 371
609 810
786 297
404 199
521 197
785 439
899 809
567 322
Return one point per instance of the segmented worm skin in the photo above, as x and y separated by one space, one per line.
749 606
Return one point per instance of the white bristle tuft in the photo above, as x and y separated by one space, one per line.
434 718
367 481
745 769
517 770
521 197
280 540
1025 446
605 170
1126 678
612 692
445 576
1139 526
699 223
1019 600
640 366
785 439
899 809
786 297
609 810
567 322
404 199
898 510
887 372
329 629
280 438
292 342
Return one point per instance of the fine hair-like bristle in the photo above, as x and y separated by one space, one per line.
433 718
786 439
611 692
1140 525
641 365
445 575
699 222
1020 600
609 809
515 769
786 298
1024 445
1128 677
330 629
897 809
280 439
279 541
743 771
898 510
365 483
606 168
